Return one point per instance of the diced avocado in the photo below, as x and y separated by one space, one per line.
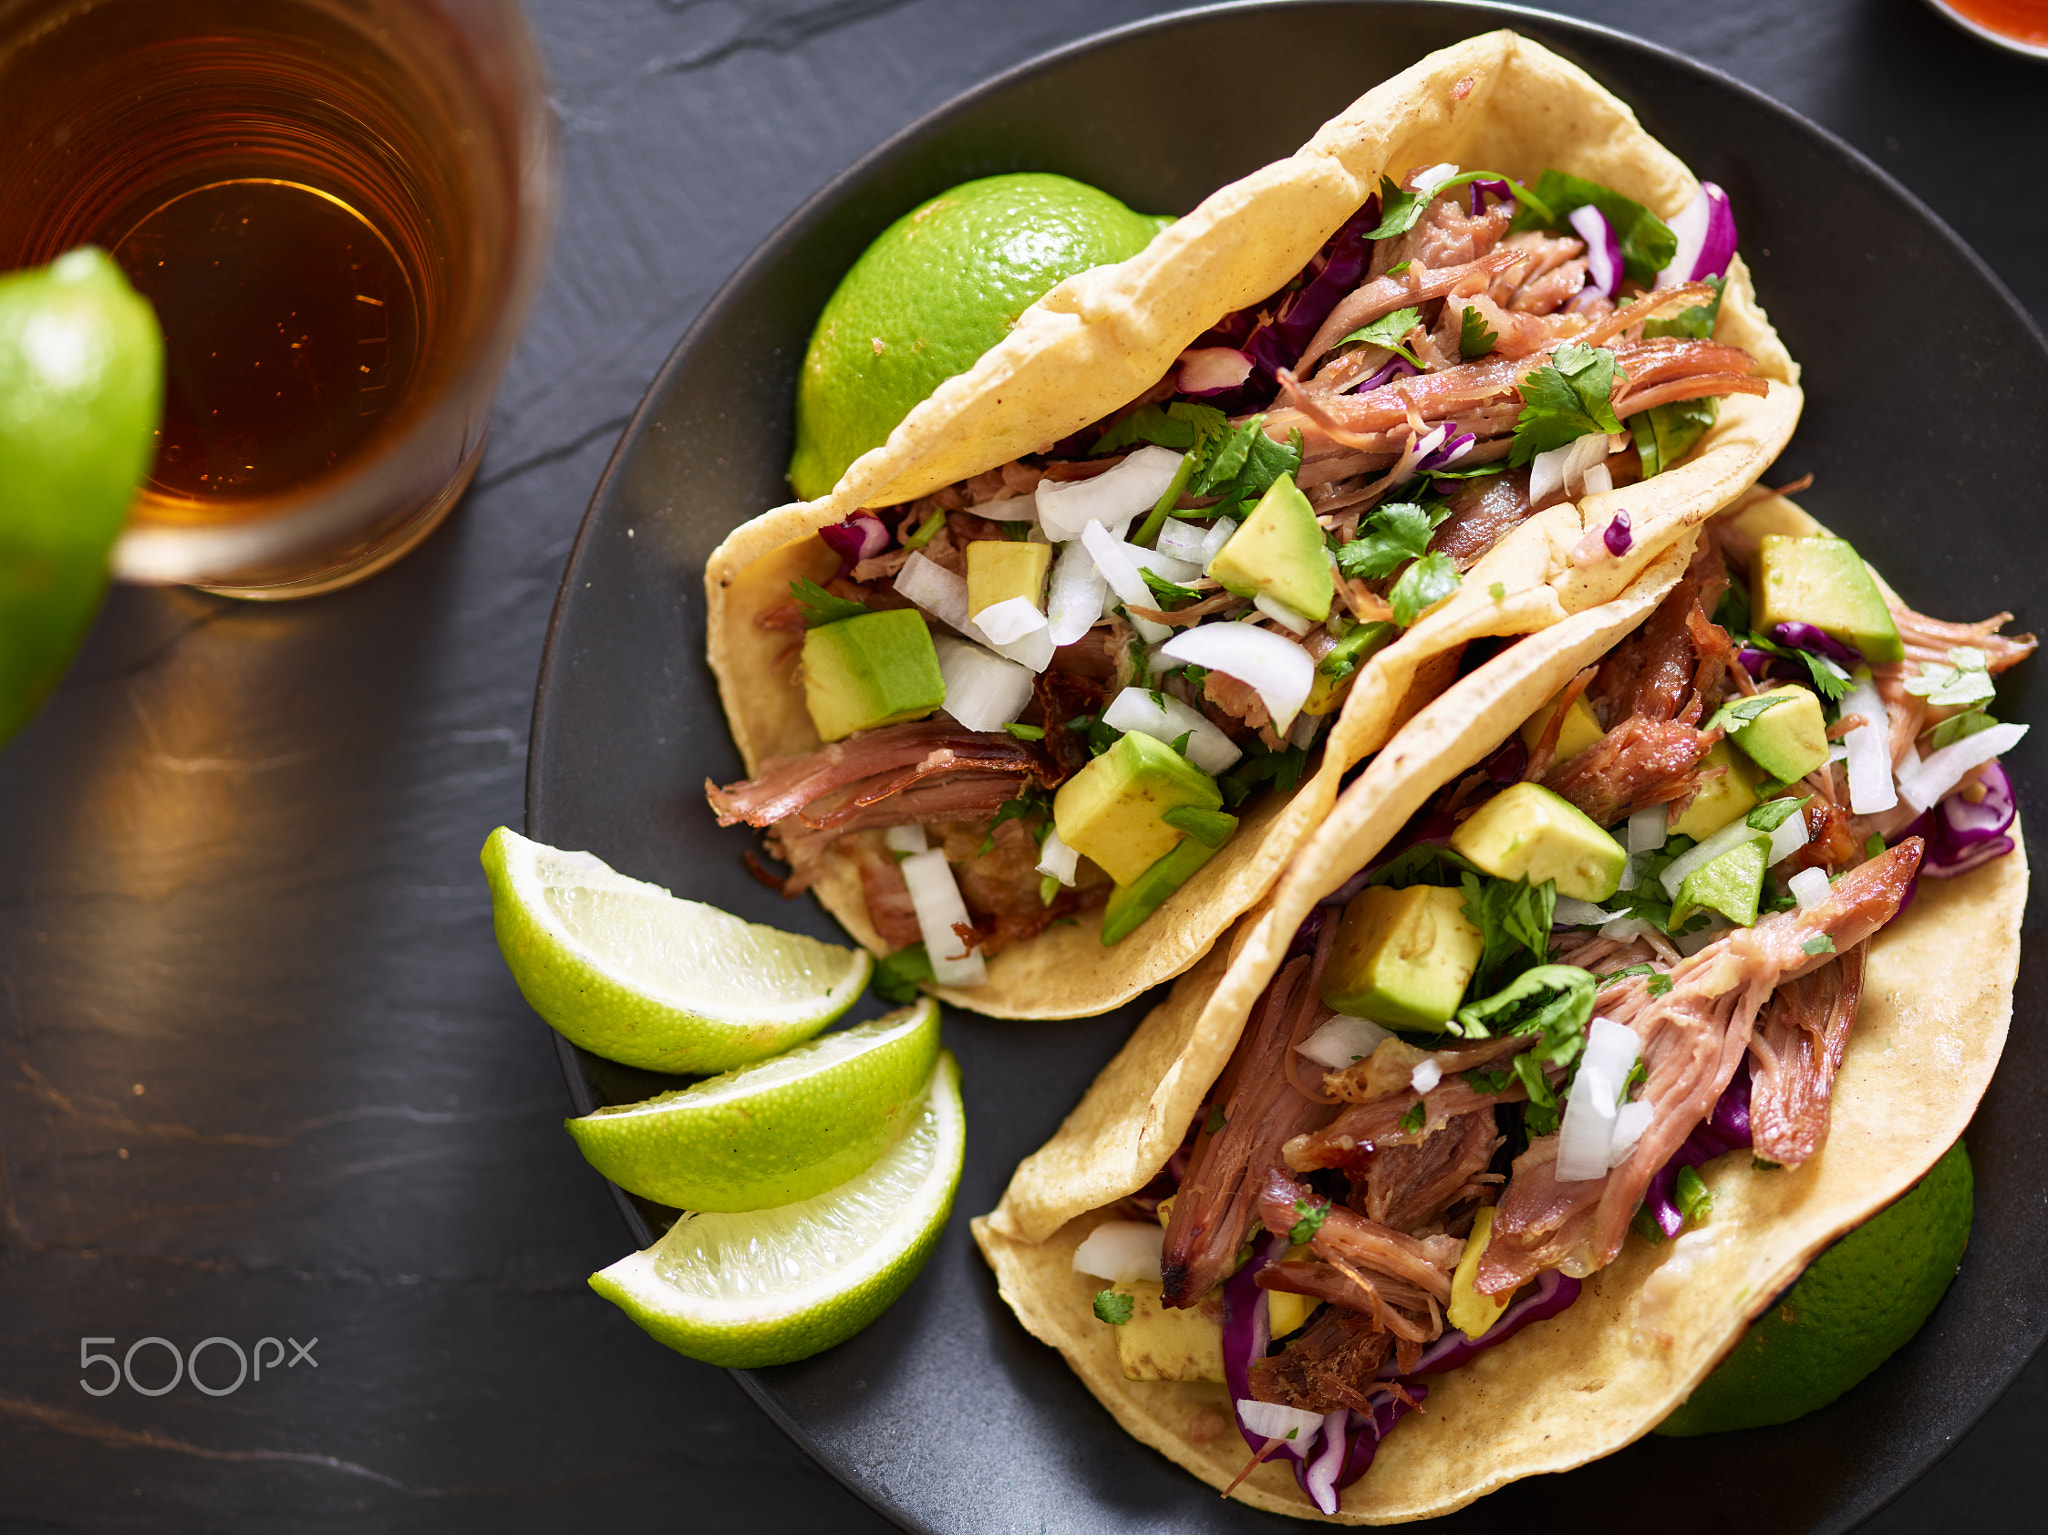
1162 1343
1403 957
1823 582
1278 553
871 669
1340 663
1471 1312
1731 885
1725 796
1112 810
1527 832
1286 1311
1581 728
1788 740
1000 568
1133 903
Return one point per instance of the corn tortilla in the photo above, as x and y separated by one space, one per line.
1103 337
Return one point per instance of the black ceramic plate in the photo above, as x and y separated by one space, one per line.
945 1415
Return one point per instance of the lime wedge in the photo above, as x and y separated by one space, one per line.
629 972
776 1132
780 1285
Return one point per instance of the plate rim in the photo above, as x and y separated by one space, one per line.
821 202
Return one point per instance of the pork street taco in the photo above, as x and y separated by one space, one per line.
1080 655
1448 1117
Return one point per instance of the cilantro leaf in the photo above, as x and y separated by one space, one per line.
1964 683
1309 1218
1180 743
1565 399
1415 1118
1766 1165
1695 1200
1609 977
1638 1074
1282 769
1165 590
820 607
925 531
1647 243
1489 1081
1512 917
1772 814
1659 984
1030 802
1026 732
896 975
1474 338
1391 536
1183 426
1497 592
1112 1308
1048 889
1422 586
1554 1002
1733 716
1216 1121
1387 331
1352 651
1823 944
1873 845
1645 1226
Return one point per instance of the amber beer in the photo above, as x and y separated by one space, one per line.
338 209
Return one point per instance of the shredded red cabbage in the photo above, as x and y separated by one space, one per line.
1962 836
1455 446
1723 1131
1799 635
1397 367
1706 238
1500 190
1618 537
860 537
1277 343
1246 1332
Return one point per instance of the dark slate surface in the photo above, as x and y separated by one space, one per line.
261 1071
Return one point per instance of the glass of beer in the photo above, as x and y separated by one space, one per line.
340 211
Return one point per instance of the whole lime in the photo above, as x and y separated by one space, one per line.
81 387
939 287
1855 1305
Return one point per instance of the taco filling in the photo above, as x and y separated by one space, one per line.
1059 684
1631 941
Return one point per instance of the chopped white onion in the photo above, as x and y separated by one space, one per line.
1809 887
1183 541
1165 718
1788 839
1343 1041
1167 567
1033 651
1270 664
1107 550
1925 780
983 691
1612 1048
1425 182
1870 750
1631 871
937 590
1625 928
1073 597
1587 1133
1564 469
1630 1121
935 896
905 839
1122 1251
1597 479
1305 729
1275 1420
1022 508
1116 495
1282 614
1214 540
1692 943
1425 1076
1010 620
1648 829
1057 859
1572 912
1729 837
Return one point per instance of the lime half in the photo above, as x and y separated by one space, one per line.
776 1132
783 1284
630 973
